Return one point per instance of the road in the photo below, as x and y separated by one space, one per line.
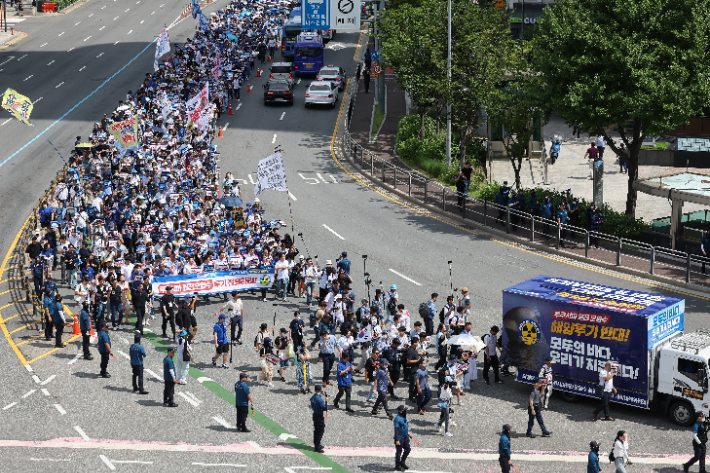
69 420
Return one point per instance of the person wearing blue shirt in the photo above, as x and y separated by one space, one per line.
48 315
85 327
319 407
50 285
221 343
532 203
381 386
170 378
344 263
700 438
430 314
57 311
421 379
327 355
593 458
562 215
137 353
104 350
504 452
345 381
242 399
401 439
546 213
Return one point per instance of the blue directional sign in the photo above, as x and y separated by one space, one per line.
375 55
315 14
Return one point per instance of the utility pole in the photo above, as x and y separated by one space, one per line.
448 102
4 13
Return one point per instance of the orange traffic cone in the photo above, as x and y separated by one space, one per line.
75 330
91 329
230 109
248 88
268 59
220 135
258 72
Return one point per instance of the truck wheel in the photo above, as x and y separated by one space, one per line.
682 414
569 397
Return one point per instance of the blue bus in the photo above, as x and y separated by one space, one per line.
308 57
289 33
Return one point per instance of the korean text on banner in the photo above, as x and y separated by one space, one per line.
125 132
162 47
17 104
345 15
316 14
214 282
197 106
270 175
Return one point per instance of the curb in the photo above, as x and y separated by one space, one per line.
24 35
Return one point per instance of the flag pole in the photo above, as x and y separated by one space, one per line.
52 144
288 193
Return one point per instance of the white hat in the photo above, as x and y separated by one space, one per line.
328 262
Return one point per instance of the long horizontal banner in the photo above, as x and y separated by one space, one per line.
214 282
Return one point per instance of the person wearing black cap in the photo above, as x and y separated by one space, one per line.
401 439
344 263
243 400
593 458
504 449
59 320
139 297
296 329
170 378
382 383
700 438
85 327
412 362
137 353
167 308
319 406
104 349
534 411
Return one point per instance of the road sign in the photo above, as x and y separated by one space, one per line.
378 69
315 14
375 55
345 15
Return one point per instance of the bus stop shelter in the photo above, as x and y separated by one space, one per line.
678 188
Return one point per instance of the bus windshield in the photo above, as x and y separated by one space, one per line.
309 51
292 31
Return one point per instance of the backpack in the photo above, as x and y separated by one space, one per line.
611 452
392 305
442 314
423 310
37 271
312 320
256 339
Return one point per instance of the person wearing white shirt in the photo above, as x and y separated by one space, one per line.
606 386
281 268
83 291
621 451
346 343
310 276
405 319
601 145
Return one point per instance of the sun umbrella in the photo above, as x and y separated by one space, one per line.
84 145
232 202
464 339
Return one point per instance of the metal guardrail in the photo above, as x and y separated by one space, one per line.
595 246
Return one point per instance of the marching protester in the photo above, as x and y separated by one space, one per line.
345 380
534 411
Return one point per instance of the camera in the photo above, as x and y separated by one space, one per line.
364 256
449 262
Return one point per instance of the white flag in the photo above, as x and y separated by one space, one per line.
364 335
270 175
162 47
166 106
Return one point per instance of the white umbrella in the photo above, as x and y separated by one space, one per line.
466 340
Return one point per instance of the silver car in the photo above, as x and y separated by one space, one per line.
322 93
333 73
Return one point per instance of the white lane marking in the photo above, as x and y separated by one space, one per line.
29 368
73 360
81 432
152 14
335 181
298 81
77 23
59 85
332 231
45 44
6 121
273 140
223 423
103 7
138 462
102 27
5 62
127 10
154 375
29 393
404 277
91 15
125 355
82 68
70 49
130 32
239 106
188 399
292 196
138 2
116 43
195 398
107 462
224 128
285 437
99 55
251 180
142 21
254 444
87 39
36 378
48 380
230 465
292 469
21 58
321 178
202 379
115 19
61 33
51 62
60 409
50 459
308 179
45 392
282 116
161 6
37 100
29 77
9 406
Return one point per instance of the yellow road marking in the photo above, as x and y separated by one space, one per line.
17 315
53 350
28 325
29 340
10 279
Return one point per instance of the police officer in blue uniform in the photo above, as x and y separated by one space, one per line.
319 408
58 319
401 439
48 319
170 378
243 400
700 438
85 327
104 349
137 353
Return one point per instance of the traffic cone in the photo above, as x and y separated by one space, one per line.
220 135
248 88
230 109
268 59
91 329
75 330
258 72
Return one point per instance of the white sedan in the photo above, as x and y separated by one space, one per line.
322 93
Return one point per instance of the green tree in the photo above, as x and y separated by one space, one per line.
516 105
641 62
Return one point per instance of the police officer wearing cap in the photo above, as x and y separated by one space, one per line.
700 439
85 327
593 458
243 400
104 349
319 407
137 353
504 452
167 307
58 319
401 439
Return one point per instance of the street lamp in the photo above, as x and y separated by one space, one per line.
448 102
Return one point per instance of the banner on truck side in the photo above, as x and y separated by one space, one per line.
214 282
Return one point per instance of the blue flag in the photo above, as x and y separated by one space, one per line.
204 22
195 9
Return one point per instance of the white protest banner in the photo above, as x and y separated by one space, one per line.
166 106
162 47
197 106
215 69
270 175
345 15
213 282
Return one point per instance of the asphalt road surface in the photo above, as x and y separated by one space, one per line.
58 415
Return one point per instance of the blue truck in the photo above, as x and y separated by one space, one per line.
583 325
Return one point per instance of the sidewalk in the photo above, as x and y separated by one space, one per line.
8 39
